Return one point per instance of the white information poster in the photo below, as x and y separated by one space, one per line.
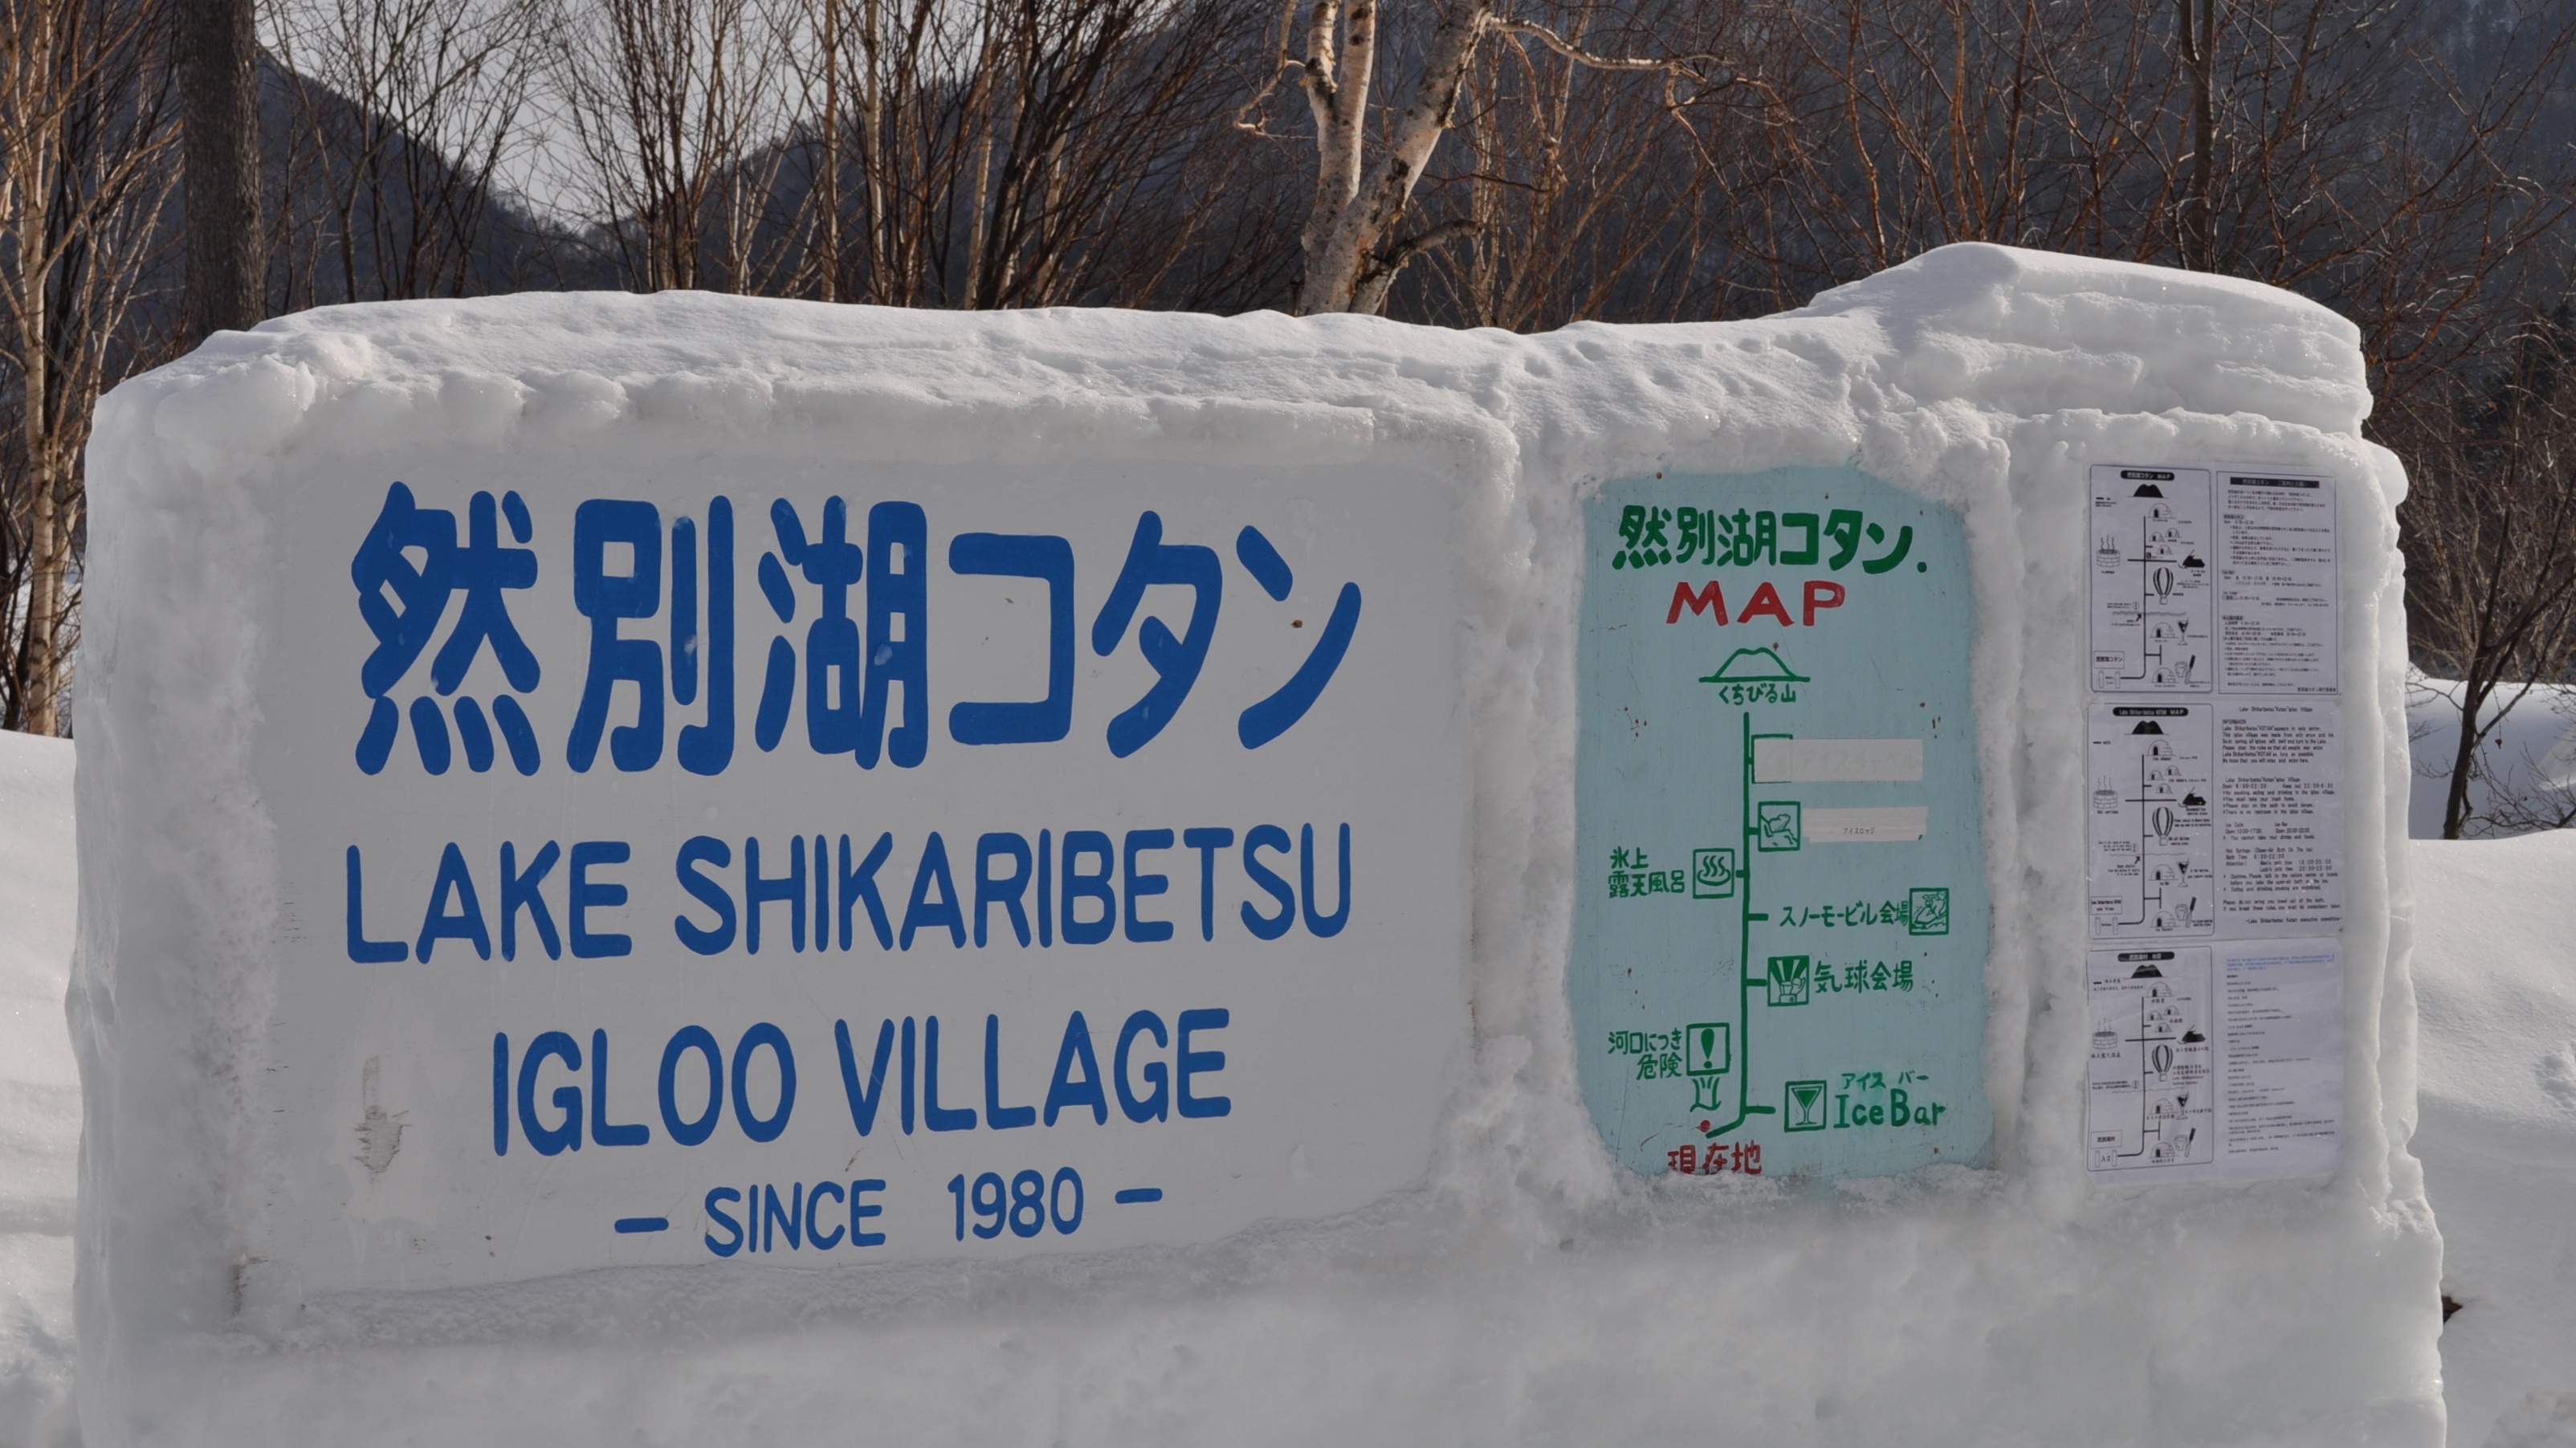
2214 819
2279 630
2214 1062
2217 821
2281 1082
2150 592
2280 817
2149 1097
2149 782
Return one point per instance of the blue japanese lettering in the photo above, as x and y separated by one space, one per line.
608 599
846 697
1022 556
1274 716
898 633
402 599
1176 661
704 748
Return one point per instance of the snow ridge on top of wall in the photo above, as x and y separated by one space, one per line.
2018 331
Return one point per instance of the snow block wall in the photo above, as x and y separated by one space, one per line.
684 868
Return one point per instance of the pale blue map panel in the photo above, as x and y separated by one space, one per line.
1780 936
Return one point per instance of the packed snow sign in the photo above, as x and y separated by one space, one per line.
1844 826
852 858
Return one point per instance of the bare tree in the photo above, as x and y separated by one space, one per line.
667 102
2540 793
1581 195
85 144
2489 529
2332 147
406 110
1352 252
992 153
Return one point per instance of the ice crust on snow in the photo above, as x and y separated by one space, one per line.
1528 1289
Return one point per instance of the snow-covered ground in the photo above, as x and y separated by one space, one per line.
2495 971
2495 978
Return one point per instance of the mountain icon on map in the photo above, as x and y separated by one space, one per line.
1754 666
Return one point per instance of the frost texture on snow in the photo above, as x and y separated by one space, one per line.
1528 1290
39 1092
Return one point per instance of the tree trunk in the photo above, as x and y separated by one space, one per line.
41 671
2198 46
2455 804
1340 273
828 180
1337 93
219 81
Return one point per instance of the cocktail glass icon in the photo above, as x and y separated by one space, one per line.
1806 1106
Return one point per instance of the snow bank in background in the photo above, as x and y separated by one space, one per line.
2495 980
1528 1290
2532 753
39 1091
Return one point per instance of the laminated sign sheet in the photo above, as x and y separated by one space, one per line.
2278 620
2217 820
1781 928
2215 1061
2222 818
2151 606
808 864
